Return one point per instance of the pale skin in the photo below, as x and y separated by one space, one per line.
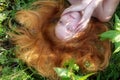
75 18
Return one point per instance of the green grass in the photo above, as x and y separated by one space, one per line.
12 68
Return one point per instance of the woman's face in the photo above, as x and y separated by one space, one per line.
65 29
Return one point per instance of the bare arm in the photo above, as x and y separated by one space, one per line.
105 10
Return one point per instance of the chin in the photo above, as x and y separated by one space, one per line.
39 47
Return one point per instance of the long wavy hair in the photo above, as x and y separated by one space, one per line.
38 46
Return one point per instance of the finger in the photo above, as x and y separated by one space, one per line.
79 6
82 26
87 13
74 8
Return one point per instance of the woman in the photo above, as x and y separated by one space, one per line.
76 17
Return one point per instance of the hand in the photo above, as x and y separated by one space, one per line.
86 9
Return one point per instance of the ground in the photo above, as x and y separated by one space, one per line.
12 68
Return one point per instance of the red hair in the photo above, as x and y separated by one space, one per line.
39 47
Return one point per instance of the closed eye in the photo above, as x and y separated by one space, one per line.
61 22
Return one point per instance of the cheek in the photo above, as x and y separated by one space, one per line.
62 33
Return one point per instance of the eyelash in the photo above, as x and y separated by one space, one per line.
61 22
